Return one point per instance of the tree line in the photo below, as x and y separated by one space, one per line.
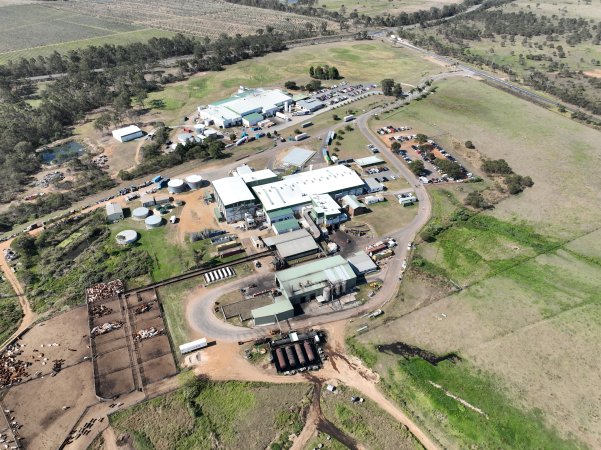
324 72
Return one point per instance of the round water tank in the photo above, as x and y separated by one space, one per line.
153 221
140 213
127 237
175 185
194 181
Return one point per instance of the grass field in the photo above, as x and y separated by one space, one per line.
524 326
274 69
365 422
10 311
172 298
378 7
228 415
28 31
388 216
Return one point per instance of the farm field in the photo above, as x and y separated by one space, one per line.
276 68
199 17
28 31
229 414
378 7
365 422
525 320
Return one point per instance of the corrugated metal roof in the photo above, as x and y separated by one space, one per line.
280 213
232 190
297 246
253 117
274 240
298 156
259 175
352 202
286 225
113 208
362 263
282 305
369 161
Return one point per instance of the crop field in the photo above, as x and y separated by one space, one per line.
28 31
217 415
379 7
199 17
525 320
276 68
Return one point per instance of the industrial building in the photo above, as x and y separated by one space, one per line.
280 310
369 161
297 157
285 226
325 211
247 107
311 105
373 185
353 206
127 133
322 279
362 263
294 191
279 216
234 198
259 177
114 213
293 245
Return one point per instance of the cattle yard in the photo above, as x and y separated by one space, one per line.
130 347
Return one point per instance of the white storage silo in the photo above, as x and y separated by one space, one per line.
194 181
126 237
175 186
140 213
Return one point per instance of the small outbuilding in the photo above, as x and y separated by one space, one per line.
353 206
282 309
362 263
127 133
285 226
114 212
373 186
147 200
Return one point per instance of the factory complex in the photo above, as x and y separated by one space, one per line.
247 107
240 195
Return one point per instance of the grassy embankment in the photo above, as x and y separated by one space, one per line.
525 322
225 414
10 311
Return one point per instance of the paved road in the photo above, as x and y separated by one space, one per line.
200 311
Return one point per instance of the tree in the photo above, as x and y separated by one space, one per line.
334 74
335 117
417 167
291 85
476 200
497 167
397 91
314 85
232 136
311 71
25 245
452 169
216 149
319 74
421 138
387 86
395 147
469 144
140 96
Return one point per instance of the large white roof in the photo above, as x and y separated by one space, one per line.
257 99
258 175
126 131
232 190
219 112
297 189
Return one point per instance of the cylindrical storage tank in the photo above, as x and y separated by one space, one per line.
153 221
127 237
140 213
281 361
327 294
309 351
194 181
299 353
291 357
175 186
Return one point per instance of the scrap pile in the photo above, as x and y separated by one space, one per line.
101 310
148 333
106 328
12 369
144 307
102 291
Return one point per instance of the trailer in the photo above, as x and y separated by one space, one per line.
192 346
300 137
349 118
241 141
306 124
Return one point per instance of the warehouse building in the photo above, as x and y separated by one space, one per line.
247 106
297 157
322 279
373 185
234 198
259 177
114 213
310 105
293 245
295 191
285 226
127 133
352 204
280 310
369 161
362 263
279 216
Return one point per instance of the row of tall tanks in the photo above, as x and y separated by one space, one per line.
177 185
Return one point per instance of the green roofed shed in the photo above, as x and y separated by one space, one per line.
285 226
282 309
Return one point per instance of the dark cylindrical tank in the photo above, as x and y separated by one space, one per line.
281 361
291 357
309 351
299 352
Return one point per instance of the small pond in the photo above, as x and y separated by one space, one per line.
62 153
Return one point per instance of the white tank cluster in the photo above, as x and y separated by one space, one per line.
194 181
127 237
154 221
219 274
175 186
140 213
